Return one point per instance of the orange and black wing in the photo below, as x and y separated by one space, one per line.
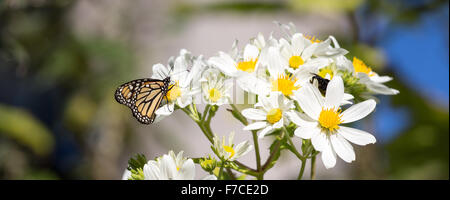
143 97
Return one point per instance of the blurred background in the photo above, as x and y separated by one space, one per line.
61 61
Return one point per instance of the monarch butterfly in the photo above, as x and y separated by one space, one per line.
143 97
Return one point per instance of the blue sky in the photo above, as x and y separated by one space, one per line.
419 52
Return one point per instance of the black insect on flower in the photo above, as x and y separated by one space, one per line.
322 83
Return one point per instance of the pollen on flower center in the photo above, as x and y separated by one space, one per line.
324 71
173 93
214 94
229 150
285 84
247 66
360 66
330 119
313 39
274 115
295 62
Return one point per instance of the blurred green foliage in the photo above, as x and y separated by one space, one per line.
422 150
38 46
19 125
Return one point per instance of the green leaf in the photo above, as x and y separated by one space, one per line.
137 162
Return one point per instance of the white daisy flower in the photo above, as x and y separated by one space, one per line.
299 51
269 113
324 118
227 150
216 90
171 167
278 79
371 79
244 69
181 92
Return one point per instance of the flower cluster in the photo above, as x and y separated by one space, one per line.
304 87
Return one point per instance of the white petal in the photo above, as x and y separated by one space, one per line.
356 136
184 100
253 84
307 132
358 111
298 43
265 103
381 79
308 101
209 177
295 117
187 171
347 96
275 63
180 66
342 148
255 126
254 114
165 109
242 149
335 92
308 52
274 99
251 52
224 63
159 71
167 166
381 89
126 174
278 124
328 156
319 141
264 132
151 171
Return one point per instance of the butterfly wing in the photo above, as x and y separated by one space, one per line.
143 97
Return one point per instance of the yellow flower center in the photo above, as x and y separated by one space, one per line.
360 66
229 150
295 62
207 162
214 94
324 71
312 39
247 66
178 168
173 93
330 119
284 84
274 115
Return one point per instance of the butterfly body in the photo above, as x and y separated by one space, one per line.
143 97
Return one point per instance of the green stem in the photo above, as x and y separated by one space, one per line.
231 174
267 164
208 133
244 121
205 112
293 149
313 169
200 125
221 171
258 156
302 169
